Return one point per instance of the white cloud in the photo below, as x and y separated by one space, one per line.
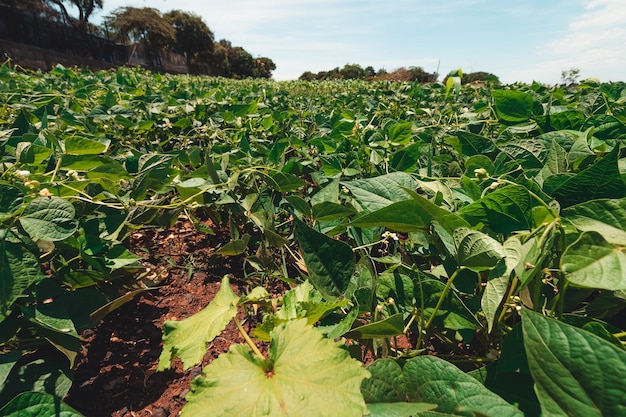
595 41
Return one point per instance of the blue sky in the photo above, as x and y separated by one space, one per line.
532 40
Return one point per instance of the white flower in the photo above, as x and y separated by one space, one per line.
494 185
22 173
388 235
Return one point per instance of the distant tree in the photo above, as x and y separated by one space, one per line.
241 63
145 26
263 67
370 71
37 7
352 72
480 76
219 58
570 76
307 76
85 9
192 37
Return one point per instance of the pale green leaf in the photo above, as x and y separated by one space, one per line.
576 373
187 339
605 216
306 375
592 262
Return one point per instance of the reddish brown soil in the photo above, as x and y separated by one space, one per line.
115 374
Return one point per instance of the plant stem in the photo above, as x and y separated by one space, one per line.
442 297
248 340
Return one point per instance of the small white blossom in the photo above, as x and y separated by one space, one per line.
390 235
494 185
22 173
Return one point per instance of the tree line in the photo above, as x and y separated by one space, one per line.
411 74
177 31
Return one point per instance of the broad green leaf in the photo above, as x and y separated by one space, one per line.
592 262
600 180
37 404
386 385
28 153
327 211
49 218
513 106
605 216
469 144
119 257
49 374
433 380
19 269
305 375
556 163
411 215
401 216
187 339
406 159
329 262
576 373
476 250
399 132
505 210
391 326
76 145
378 192
532 153
285 182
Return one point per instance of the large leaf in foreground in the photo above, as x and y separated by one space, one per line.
49 218
19 268
505 210
600 180
378 192
305 375
429 380
433 380
187 339
513 106
37 404
576 373
329 262
592 262
605 216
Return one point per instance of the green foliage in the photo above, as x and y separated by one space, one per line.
432 214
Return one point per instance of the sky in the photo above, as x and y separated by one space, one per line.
525 41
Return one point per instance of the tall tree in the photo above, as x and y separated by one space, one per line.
192 36
85 9
145 26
